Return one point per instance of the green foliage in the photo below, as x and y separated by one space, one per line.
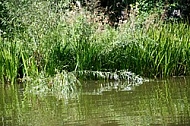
46 37
9 61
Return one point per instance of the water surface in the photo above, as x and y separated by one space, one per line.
156 103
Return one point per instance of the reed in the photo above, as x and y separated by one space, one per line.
9 61
53 38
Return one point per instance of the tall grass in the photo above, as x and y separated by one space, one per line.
172 50
51 37
9 56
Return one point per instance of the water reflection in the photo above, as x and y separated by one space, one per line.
162 102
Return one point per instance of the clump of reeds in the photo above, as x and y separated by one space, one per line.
9 62
55 38
62 84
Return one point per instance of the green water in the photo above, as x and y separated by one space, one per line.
162 102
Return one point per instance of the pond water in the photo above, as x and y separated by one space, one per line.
156 103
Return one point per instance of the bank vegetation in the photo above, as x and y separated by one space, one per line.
46 40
